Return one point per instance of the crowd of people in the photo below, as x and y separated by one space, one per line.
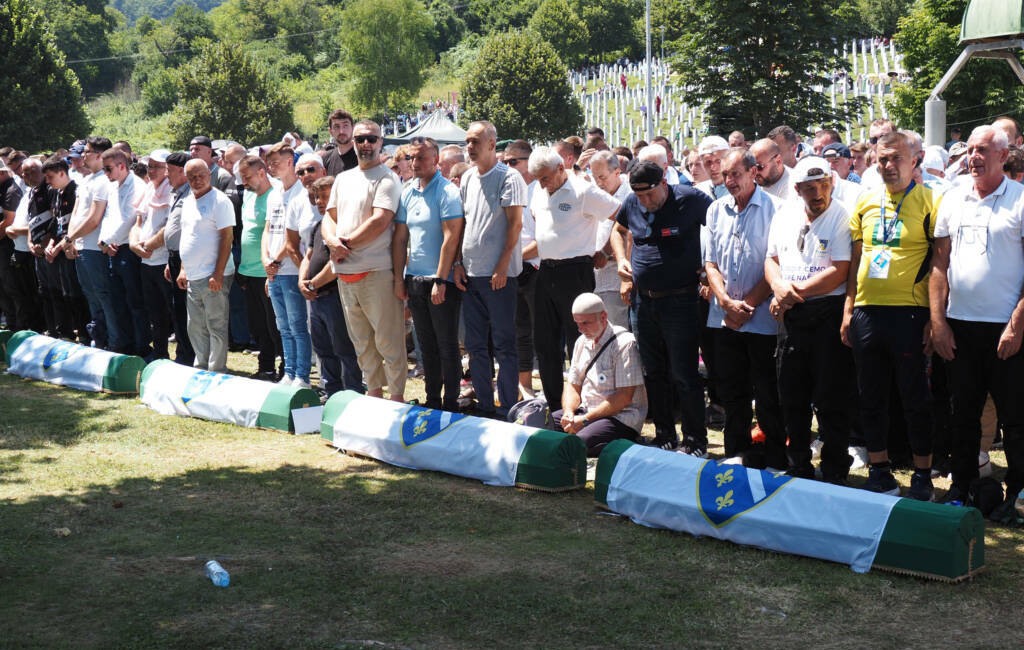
875 287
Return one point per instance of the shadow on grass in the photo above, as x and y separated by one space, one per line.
326 558
37 414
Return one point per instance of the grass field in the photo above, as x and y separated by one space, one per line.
108 512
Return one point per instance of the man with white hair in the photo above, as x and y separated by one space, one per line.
567 210
604 398
977 311
658 154
807 266
604 168
487 268
772 175
712 150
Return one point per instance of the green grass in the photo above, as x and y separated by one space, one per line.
331 551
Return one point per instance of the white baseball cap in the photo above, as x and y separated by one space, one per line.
810 168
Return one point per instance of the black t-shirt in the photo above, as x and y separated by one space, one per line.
336 163
10 195
666 244
235 194
319 259
62 204
41 224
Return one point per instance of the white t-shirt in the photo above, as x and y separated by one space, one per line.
567 220
121 214
155 206
355 194
986 261
202 220
21 221
278 223
827 240
846 192
94 187
528 234
607 278
783 188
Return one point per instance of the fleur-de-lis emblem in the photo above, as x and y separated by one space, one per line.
724 501
420 428
724 477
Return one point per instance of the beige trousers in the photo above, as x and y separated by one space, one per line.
376 325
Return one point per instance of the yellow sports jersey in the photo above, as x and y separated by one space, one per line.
895 256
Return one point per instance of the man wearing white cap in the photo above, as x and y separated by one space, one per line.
604 398
146 240
807 266
712 150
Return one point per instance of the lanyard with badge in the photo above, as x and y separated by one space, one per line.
882 259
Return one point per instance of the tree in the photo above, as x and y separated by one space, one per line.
609 28
386 55
449 28
928 39
82 29
557 23
520 85
758 62
880 17
226 93
42 106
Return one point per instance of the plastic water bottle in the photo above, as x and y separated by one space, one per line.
216 573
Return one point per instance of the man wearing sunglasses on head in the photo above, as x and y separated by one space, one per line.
772 175
807 266
358 230
878 128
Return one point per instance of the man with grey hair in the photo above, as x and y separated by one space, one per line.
207 270
604 169
656 153
487 268
567 210
977 311
712 150
772 175
738 227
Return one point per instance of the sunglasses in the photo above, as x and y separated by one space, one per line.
512 162
372 139
305 170
109 169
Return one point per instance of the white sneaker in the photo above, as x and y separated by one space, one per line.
984 464
860 457
286 381
300 383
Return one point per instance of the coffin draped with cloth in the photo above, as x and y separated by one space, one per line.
55 361
773 511
173 389
496 453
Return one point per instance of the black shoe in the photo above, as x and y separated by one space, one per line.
693 449
921 485
956 496
667 445
1006 513
882 481
265 375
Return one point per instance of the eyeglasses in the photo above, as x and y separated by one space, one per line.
305 170
372 139
512 162
407 158
109 169
803 236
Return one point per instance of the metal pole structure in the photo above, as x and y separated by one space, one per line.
650 90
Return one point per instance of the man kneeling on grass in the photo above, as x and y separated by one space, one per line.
604 398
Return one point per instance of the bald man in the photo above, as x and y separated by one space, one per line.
207 270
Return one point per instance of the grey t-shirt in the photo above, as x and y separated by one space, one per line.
484 199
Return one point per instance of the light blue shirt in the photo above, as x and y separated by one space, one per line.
422 211
738 243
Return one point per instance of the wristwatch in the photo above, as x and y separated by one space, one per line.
457 263
586 422
438 282
309 286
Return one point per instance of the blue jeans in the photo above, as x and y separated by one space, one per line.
126 281
329 335
666 332
484 312
290 314
94 275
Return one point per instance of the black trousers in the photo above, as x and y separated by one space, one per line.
24 290
437 330
974 372
184 355
815 368
156 291
262 322
708 351
524 317
598 433
746 368
887 345
554 330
